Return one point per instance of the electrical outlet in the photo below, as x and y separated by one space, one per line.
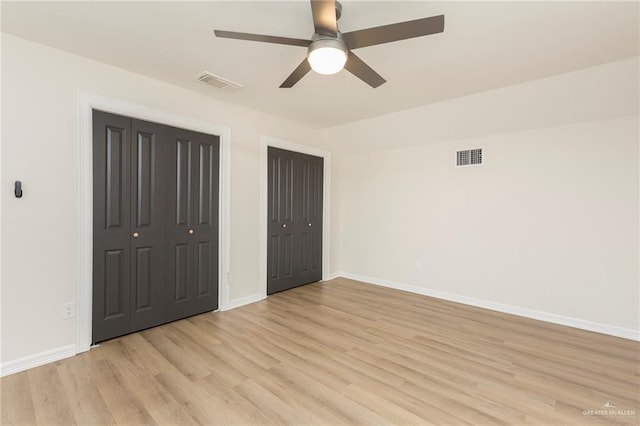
68 310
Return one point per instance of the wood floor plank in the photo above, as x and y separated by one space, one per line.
124 406
339 353
346 411
137 380
51 405
278 411
17 401
301 402
80 386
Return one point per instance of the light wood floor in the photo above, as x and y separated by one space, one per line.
340 352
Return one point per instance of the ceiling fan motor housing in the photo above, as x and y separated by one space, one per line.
319 40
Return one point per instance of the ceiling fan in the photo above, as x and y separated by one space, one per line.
329 50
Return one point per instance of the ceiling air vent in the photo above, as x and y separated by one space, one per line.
216 81
469 157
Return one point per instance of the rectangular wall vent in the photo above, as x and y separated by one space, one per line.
469 157
216 81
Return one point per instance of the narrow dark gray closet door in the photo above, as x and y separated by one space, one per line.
310 223
205 222
111 224
191 224
147 224
281 252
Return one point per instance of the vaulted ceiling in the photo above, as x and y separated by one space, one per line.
485 45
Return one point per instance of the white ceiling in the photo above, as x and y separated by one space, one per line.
485 45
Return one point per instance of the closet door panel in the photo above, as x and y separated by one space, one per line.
148 223
281 252
111 224
178 271
192 223
205 222
310 229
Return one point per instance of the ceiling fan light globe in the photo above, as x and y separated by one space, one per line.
327 55
327 60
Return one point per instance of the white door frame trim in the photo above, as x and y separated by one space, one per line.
86 103
265 143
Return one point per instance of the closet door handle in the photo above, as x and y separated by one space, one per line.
135 235
190 231
284 225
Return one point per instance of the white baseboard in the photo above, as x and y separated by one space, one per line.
243 301
37 360
626 333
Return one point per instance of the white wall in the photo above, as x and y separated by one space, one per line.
40 89
548 227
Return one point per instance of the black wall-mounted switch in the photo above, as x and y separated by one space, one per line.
18 189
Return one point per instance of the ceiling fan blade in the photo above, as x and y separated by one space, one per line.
324 17
262 38
394 32
364 72
296 75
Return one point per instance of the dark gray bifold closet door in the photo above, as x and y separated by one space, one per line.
135 205
294 253
111 225
147 222
310 224
191 267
